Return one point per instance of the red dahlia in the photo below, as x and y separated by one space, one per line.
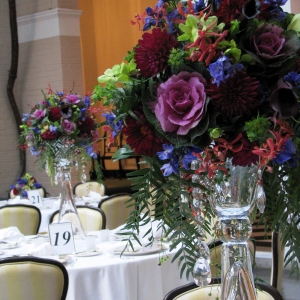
141 136
245 157
49 136
238 96
229 10
87 125
152 53
54 114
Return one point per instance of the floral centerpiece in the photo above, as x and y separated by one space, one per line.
62 125
213 80
24 184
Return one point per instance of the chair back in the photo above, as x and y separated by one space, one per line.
92 218
27 218
33 278
83 189
270 242
191 291
41 191
116 209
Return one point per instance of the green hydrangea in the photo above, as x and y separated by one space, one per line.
257 129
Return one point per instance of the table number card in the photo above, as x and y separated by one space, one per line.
61 238
35 198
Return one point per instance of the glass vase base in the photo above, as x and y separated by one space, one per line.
238 284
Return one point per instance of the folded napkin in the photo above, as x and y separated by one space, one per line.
18 201
95 196
42 250
11 235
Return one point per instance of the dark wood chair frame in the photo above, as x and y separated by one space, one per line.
84 206
42 261
25 205
190 286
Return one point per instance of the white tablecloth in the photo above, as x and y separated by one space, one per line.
113 278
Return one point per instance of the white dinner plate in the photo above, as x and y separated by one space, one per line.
142 251
31 237
88 253
43 234
10 246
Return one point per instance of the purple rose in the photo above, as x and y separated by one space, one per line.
72 99
181 102
68 126
268 41
39 114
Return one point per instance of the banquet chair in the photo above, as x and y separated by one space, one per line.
92 218
271 242
27 218
116 209
191 291
41 190
83 189
33 278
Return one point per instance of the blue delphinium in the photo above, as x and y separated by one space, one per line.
90 152
222 69
110 121
287 155
183 154
198 5
277 14
276 2
34 151
293 78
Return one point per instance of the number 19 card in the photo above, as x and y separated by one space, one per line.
61 238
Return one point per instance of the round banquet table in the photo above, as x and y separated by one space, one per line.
111 277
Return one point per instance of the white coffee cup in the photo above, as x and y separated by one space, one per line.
103 235
90 242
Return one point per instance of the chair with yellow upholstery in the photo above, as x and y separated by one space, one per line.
92 218
83 189
27 218
191 291
33 278
116 209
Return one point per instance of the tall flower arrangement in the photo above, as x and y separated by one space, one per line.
212 80
62 125
24 184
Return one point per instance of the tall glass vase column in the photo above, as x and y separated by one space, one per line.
232 200
68 211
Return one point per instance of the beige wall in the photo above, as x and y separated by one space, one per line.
9 155
55 61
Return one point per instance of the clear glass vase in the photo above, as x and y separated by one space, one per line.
67 210
232 200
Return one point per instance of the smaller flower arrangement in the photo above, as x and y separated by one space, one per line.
24 184
62 125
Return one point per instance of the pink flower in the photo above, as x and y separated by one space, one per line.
68 126
72 99
181 102
39 114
